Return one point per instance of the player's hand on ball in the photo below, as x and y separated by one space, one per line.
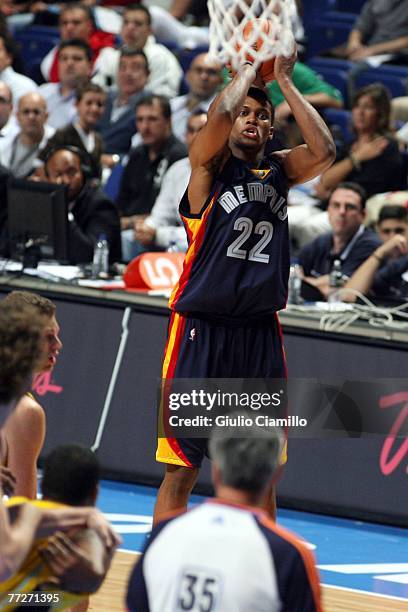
284 65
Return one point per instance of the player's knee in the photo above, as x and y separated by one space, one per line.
180 480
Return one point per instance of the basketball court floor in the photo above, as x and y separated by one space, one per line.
363 567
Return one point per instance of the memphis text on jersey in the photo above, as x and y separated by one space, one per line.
254 192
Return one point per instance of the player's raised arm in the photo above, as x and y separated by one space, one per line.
214 136
308 160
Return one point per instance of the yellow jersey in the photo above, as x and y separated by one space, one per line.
34 573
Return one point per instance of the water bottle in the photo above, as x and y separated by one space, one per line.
295 285
172 248
100 263
335 281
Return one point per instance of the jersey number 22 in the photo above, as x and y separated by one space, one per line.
246 227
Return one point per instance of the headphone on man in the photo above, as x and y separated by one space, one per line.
84 158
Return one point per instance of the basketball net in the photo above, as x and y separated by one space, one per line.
228 19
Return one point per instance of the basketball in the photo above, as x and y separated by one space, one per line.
267 68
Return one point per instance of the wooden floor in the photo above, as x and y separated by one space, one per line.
111 598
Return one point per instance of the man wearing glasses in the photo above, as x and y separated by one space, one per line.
203 78
19 154
349 242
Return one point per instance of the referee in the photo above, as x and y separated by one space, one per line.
226 554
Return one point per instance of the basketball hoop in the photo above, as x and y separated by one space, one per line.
228 19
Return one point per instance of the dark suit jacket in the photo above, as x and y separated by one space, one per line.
69 136
141 178
117 135
94 214
4 176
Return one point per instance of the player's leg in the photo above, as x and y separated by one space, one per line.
184 358
175 490
269 504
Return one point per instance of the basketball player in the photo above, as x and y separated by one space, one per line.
22 437
75 564
224 322
20 350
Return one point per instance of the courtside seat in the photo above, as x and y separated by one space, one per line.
334 76
350 6
340 120
340 16
347 65
186 56
397 85
35 42
323 34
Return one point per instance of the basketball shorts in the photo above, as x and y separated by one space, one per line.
199 347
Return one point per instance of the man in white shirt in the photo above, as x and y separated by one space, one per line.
18 83
204 78
19 153
163 228
74 69
165 71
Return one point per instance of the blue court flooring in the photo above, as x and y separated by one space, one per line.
350 554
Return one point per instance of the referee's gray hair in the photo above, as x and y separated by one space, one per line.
247 457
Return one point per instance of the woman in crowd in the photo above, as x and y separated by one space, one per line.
372 159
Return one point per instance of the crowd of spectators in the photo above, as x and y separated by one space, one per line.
108 98
121 101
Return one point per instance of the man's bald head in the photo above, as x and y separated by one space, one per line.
32 98
32 115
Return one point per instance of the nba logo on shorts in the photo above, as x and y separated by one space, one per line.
192 334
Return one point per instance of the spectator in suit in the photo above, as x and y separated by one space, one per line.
18 83
91 212
76 21
74 69
4 177
143 175
90 103
165 70
19 154
117 124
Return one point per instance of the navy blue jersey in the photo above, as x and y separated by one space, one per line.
237 262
